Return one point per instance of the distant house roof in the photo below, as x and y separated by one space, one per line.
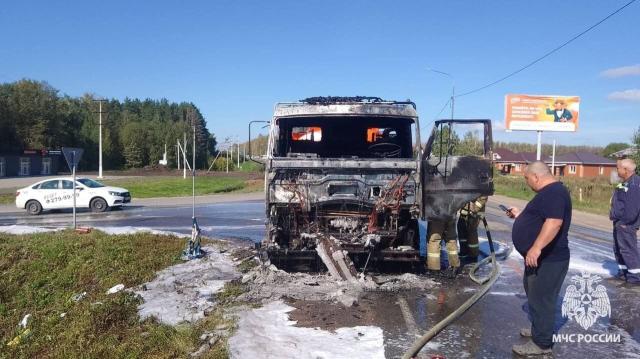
584 158
503 155
532 156
626 152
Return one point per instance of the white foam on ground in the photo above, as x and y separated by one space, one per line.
506 294
605 268
20 229
133 230
217 228
267 332
181 293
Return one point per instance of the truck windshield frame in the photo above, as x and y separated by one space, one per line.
344 137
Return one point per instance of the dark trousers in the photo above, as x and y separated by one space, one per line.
542 285
468 237
625 248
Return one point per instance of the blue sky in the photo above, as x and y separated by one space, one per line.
235 59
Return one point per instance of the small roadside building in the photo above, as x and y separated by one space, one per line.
509 162
31 163
576 164
584 165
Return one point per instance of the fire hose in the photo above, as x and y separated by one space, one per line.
486 282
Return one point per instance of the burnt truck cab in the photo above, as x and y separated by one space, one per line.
353 170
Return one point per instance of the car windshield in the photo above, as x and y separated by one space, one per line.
90 183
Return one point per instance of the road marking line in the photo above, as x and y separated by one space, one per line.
412 327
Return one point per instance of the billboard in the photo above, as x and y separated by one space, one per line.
541 113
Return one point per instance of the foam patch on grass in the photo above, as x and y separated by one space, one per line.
267 332
20 229
182 293
120 230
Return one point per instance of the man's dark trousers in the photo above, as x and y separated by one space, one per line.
542 285
625 248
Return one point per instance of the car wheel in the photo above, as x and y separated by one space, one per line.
34 208
98 205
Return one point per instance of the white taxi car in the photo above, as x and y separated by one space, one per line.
57 193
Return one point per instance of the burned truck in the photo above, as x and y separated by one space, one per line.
350 176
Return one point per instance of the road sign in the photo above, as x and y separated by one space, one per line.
72 155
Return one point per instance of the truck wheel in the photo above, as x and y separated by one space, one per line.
98 205
34 208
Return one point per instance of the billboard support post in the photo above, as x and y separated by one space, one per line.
553 158
539 149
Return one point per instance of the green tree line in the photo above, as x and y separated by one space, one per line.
34 115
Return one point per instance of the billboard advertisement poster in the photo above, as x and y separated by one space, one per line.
541 113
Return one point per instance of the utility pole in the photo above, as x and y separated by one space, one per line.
178 154
193 172
100 138
238 143
184 156
453 88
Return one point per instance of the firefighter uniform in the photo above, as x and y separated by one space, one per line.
470 216
625 214
437 231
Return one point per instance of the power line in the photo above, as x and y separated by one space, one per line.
548 53
443 107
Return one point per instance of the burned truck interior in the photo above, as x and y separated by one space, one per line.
346 181
344 137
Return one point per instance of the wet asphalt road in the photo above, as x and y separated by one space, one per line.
487 330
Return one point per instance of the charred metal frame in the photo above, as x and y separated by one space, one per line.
445 191
367 205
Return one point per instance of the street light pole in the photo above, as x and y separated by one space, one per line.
100 145
100 138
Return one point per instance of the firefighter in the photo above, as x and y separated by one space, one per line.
470 216
437 231
625 214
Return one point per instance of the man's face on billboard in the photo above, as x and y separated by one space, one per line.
559 105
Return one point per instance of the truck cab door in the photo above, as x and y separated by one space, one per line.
456 167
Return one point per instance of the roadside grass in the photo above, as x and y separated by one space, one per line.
148 187
42 272
250 166
596 193
8 198
252 186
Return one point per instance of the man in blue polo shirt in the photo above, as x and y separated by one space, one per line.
540 236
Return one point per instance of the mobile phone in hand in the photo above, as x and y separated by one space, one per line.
504 208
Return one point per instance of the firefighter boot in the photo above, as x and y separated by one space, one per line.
434 236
